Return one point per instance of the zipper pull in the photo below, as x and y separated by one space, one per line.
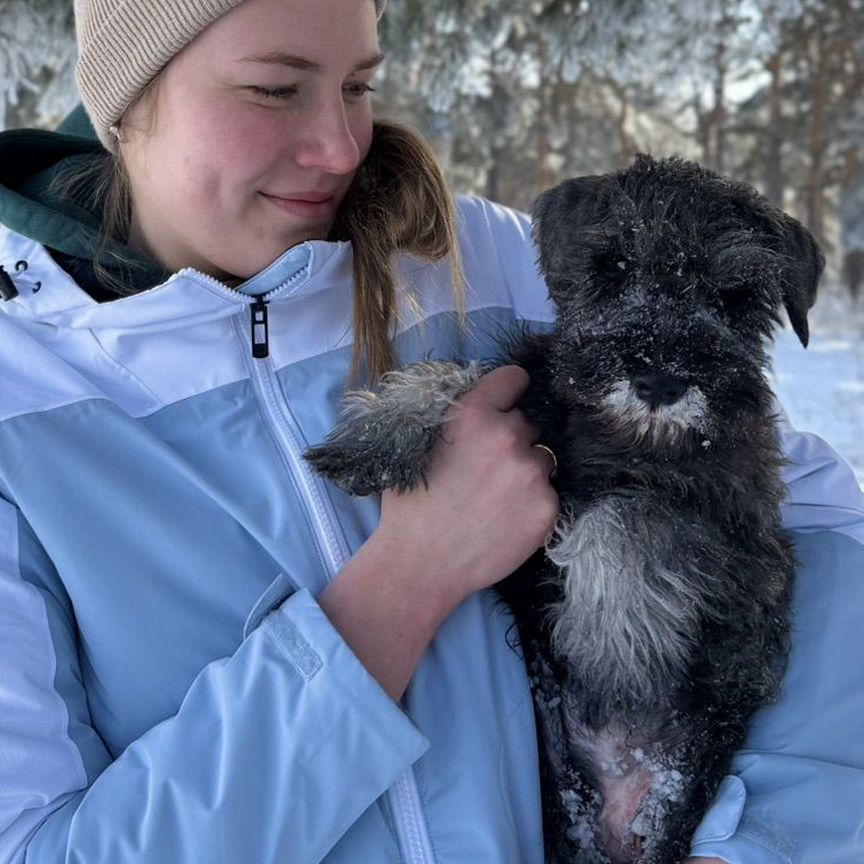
260 330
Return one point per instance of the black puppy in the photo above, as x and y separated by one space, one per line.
656 622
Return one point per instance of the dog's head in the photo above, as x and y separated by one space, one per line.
668 280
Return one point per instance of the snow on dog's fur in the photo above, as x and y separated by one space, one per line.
656 622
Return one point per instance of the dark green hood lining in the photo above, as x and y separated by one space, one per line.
30 160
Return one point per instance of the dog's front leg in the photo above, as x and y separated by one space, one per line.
386 435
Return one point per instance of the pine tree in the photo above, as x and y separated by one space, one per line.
37 57
517 94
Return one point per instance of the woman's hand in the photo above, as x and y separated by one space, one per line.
486 507
488 504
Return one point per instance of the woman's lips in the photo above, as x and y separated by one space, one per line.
307 205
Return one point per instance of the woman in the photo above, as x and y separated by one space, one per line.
204 653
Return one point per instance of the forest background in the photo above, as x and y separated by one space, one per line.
516 95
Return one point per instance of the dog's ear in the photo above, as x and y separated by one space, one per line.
561 217
799 260
802 269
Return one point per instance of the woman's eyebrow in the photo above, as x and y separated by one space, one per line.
280 58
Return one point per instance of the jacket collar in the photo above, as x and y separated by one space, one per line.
49 295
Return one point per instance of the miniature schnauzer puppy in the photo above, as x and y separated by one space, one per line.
656 621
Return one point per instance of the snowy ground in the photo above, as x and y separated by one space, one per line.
822 388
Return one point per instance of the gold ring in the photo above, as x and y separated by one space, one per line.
549 450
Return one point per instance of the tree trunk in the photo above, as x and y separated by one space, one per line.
719 111
853 270
773 175
704 125
627 146
551 101
815 191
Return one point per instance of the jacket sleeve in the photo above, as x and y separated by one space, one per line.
797 792
274 752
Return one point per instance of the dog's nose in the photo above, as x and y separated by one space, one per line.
659 390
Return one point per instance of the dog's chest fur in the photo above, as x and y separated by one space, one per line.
629 611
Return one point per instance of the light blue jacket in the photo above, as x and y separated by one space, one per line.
170 691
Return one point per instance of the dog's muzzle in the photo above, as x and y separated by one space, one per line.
657 408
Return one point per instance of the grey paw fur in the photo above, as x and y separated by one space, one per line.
386 436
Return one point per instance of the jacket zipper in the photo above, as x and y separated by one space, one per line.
331 545
411 829
260 330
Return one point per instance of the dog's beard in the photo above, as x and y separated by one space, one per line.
661 425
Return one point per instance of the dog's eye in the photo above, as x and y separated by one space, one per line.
611 267
671 282
734 297
735 289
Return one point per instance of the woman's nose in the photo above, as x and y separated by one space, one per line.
327 141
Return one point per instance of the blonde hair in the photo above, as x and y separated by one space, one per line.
399 202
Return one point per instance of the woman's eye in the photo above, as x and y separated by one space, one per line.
358 88
274 92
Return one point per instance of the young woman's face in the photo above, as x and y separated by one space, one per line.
259 126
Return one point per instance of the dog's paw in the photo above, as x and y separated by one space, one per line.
363 455
385 437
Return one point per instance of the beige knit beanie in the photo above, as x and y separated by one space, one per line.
124 44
